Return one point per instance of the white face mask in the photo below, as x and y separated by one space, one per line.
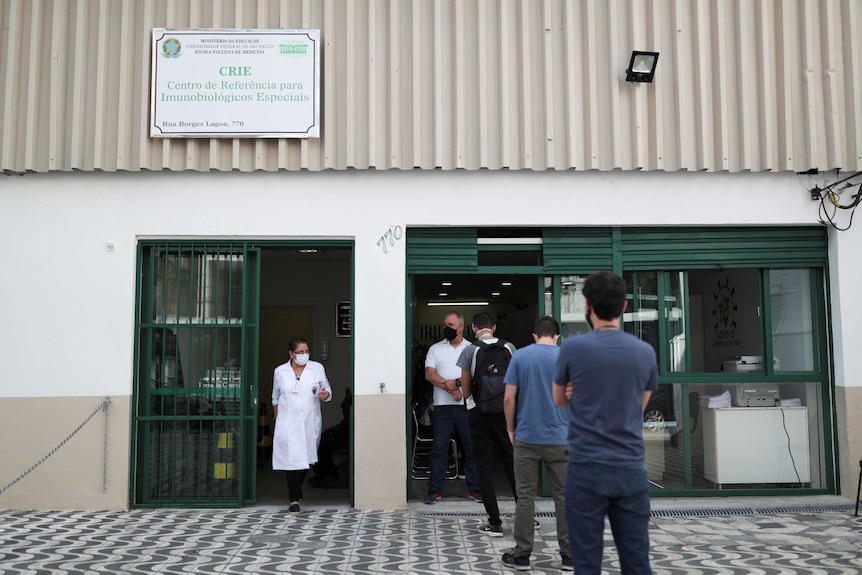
301 358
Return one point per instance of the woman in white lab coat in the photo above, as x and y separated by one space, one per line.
298 387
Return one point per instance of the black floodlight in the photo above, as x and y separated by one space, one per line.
642 67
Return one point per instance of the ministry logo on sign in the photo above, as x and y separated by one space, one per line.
171 48
293 49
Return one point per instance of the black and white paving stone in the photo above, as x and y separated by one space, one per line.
421 540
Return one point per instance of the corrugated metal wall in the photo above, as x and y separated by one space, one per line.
517 84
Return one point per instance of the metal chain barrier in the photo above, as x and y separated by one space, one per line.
102 406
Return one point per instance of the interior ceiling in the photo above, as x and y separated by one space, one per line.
474 288
310 253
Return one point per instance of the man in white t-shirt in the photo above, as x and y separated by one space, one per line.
450 411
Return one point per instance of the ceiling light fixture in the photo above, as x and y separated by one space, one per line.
442 294
446 284
642 67
455 303
495 293
507 283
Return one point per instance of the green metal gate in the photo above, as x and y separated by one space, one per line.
195 417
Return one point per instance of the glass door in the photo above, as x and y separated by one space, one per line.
196 362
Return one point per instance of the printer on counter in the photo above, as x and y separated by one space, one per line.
757 395
751 394
743 363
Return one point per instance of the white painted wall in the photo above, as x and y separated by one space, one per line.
67 303
845 273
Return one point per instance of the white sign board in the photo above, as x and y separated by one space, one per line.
235 84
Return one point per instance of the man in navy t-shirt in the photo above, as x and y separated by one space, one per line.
605 378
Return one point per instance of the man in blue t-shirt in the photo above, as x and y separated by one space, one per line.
537 430
606 377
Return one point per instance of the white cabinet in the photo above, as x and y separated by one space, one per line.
654 442
750 445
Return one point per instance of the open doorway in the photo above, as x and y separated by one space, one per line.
514 301
304 291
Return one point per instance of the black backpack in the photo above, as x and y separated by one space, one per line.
489 368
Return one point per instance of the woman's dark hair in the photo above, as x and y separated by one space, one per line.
606 293
295 343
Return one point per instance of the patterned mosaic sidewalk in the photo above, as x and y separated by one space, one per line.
420 541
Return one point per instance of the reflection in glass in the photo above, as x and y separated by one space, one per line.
733 447
739 429
193 460
572 309
195 370
793 320
195 357
197 288
165 368
641 317
676 303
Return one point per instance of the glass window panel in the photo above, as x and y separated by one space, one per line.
165 365
667 466
210 355
195 370
794 320
549 296
222 296
192 460
196 288
733 446
572 308
641 316
737 434
657 433
676 304
725 332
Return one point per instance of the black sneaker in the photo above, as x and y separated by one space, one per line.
567 564
294 508
489 528
519 563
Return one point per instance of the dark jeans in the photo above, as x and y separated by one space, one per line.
446 420
490 439
294 483
622 494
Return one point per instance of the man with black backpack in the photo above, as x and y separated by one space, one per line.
483 368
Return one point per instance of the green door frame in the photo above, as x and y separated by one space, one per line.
141 470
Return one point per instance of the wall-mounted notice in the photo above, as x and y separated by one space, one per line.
235 84
342 319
